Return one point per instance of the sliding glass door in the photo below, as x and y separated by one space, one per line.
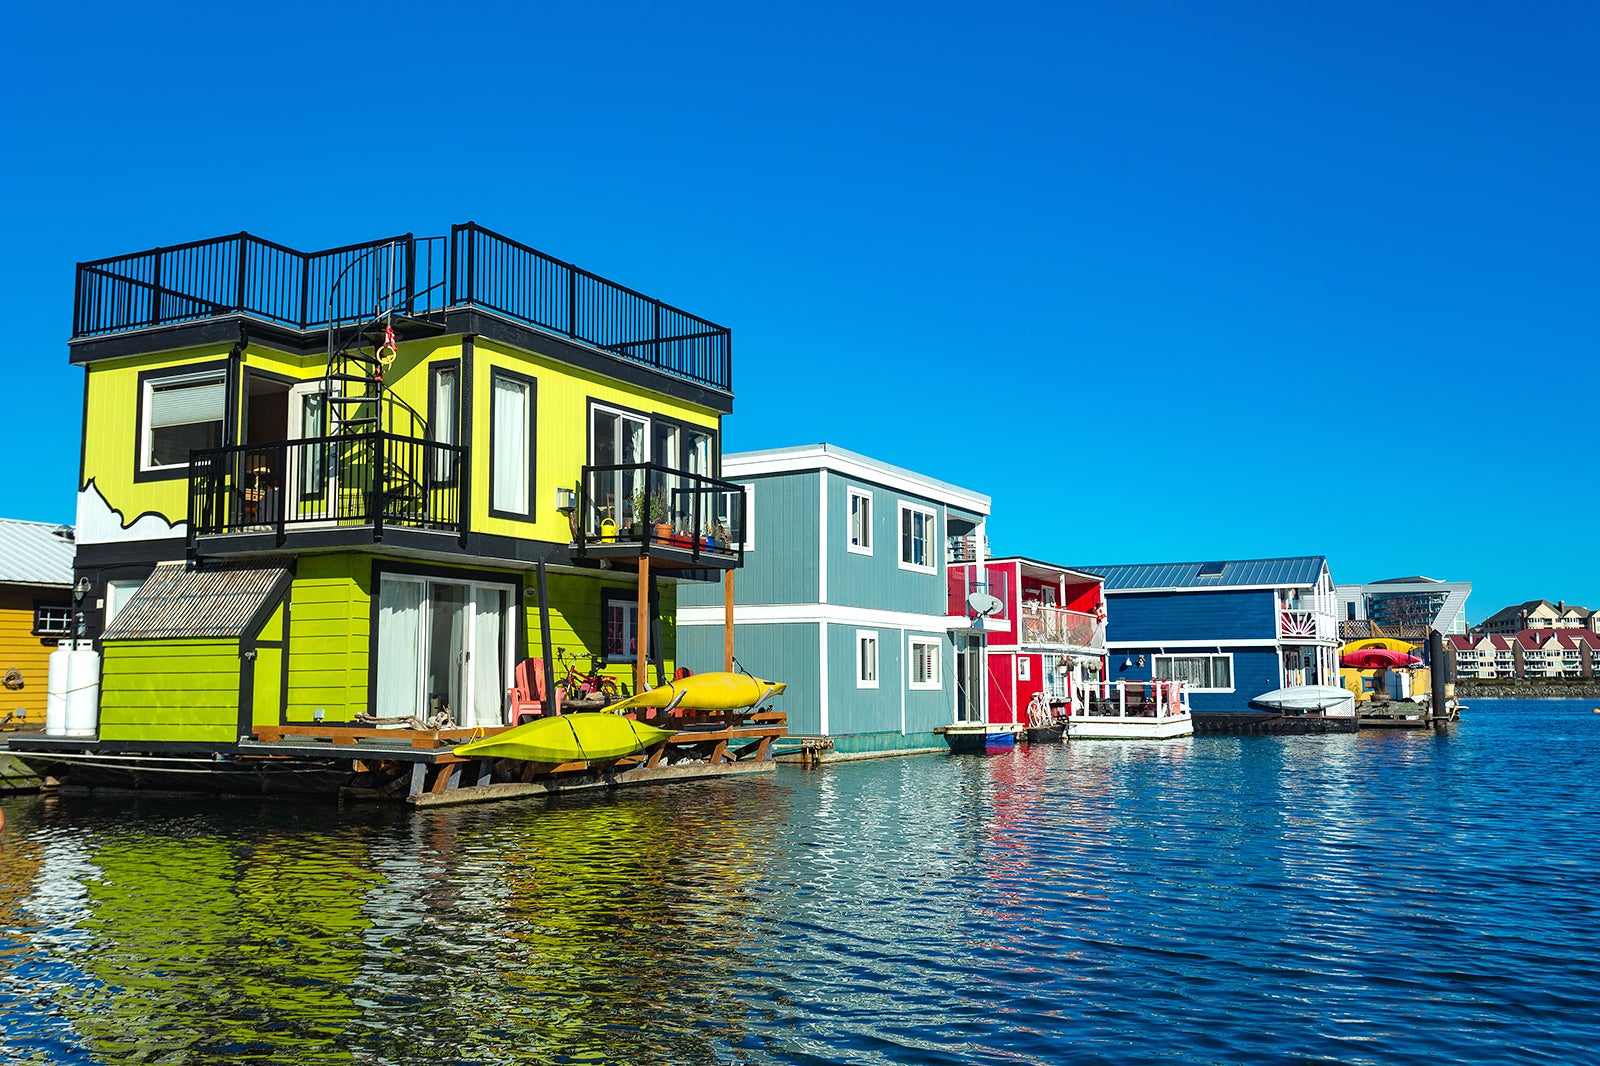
444 644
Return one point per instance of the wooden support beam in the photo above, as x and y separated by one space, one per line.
727 622
445 779
641 631
419 777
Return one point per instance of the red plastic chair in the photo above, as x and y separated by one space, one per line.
528 696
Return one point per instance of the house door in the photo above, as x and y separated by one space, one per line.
311 486
969 678
443 644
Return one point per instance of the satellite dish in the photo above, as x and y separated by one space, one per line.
983 605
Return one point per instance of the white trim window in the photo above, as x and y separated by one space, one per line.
925 657
918 535
860 518
1024 668
866 658
181 414
1199 673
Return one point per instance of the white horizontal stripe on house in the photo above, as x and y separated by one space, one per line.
840 461
812 613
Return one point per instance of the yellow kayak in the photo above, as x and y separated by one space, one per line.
1386 643
717 691
568 738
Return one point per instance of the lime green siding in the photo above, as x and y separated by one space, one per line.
165 690
267 691
330 623
575 625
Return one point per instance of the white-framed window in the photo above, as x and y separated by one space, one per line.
619 627
1199 673
180 414
444 643
925 658
119 591
52 619
860 531
1024 668
917 538
866 658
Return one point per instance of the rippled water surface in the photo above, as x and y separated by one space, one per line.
1378 898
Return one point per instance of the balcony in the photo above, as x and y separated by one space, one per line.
369 482
1296 624
676 517
414 277
1058 628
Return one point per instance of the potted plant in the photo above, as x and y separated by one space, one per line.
658 516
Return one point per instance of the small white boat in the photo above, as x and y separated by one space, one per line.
1329 701
1132 710
1128 727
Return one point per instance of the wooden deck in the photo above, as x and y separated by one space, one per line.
421 767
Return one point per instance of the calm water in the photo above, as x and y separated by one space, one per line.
1379 898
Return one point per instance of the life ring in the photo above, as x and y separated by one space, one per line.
388 345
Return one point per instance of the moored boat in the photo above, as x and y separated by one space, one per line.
977 738
586 737
1329 701
1147 710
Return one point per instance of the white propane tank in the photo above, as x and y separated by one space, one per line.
55 700
83 690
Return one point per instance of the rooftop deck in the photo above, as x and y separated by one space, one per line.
419 277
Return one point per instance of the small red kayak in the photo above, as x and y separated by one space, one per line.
1378 659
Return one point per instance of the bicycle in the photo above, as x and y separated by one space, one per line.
583 686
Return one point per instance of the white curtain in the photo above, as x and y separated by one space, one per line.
510 489
400 650
489 683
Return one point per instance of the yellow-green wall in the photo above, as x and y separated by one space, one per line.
330 621
170 690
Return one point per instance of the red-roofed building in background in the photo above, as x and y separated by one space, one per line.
1544 652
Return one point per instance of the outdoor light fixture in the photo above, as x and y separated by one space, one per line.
81 589
566 499
1127 663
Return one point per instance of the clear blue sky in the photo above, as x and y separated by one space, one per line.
1165 280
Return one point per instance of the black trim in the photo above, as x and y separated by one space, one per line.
65 605
499 372
466 321
436 370
181 472
83 437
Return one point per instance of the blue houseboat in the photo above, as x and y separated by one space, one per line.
1231 631
844 596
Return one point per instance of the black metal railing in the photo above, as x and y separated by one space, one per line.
242 274
643 504
375 479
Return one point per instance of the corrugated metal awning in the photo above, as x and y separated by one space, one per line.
176 602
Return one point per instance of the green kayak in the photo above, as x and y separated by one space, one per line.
568 738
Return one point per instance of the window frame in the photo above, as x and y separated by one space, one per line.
146 384
1211 656
864 637
628 600
936 659
40 609
932 538
503 373
850 542
448 464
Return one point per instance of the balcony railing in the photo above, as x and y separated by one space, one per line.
1062 628
242 274
1307 625
377 480
635 506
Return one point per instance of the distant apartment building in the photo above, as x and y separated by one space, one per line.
1539 614
1546 652
1398 602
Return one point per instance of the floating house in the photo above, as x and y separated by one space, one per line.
1230 630
845 595
1045 635
36 613
357 487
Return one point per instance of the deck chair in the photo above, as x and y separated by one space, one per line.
528 696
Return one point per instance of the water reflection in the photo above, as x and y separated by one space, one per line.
1351 899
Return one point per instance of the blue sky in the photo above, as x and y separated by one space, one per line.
1165 280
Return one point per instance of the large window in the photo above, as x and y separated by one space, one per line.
511 445
180 414
1198 672
924 662
866 658
860 522
917 538
444 644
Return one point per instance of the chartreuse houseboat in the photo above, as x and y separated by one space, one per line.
341 509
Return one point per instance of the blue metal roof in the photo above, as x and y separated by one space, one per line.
1296 572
